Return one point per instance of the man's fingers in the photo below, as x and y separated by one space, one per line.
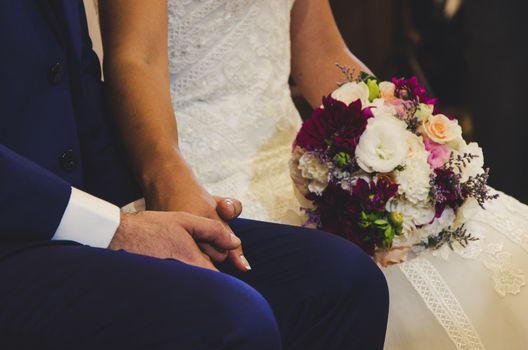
199 259
206 263
228 208
216 255
210 231
238 259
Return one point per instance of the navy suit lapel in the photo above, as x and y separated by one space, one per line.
65 19
71 15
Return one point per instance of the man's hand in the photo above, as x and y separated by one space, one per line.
172 235
179 191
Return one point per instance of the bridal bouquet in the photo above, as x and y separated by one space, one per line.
380 166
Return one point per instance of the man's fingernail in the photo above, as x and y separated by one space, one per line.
245 262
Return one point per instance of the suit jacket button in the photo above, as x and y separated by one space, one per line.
56 73
68 161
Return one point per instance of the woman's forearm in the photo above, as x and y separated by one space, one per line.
144 116
317 46
137 88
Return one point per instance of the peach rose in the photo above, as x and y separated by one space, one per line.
387 90
441 129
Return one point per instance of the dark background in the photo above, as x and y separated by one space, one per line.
471 54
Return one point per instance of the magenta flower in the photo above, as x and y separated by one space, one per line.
411 89
438 153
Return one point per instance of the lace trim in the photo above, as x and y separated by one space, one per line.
508 279
442 303
512 221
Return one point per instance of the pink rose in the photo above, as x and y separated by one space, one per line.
438 153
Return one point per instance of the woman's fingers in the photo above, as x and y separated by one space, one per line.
228 208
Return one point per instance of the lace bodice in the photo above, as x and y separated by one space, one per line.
229 69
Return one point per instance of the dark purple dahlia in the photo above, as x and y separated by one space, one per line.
335 125
340 211
339 214
447 190
374 196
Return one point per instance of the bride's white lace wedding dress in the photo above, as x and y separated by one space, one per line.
229 68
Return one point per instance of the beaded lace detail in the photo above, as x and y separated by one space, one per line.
229 68
509 218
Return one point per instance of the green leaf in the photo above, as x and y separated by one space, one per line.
380 222
388 232
374 91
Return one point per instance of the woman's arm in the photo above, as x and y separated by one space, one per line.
137 84
317 46
136 74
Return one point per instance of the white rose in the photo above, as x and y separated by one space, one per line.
350 92
475 166
315 171
383 145
441 129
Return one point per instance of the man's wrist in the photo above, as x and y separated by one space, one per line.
88 220
116 241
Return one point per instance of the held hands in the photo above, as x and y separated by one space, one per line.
175 189
194 199
172 235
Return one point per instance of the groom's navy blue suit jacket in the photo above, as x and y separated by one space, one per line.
54 132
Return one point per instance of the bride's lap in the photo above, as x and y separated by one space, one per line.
471 285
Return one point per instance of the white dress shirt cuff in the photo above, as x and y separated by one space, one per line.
88 220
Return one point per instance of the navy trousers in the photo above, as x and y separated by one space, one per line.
307 290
